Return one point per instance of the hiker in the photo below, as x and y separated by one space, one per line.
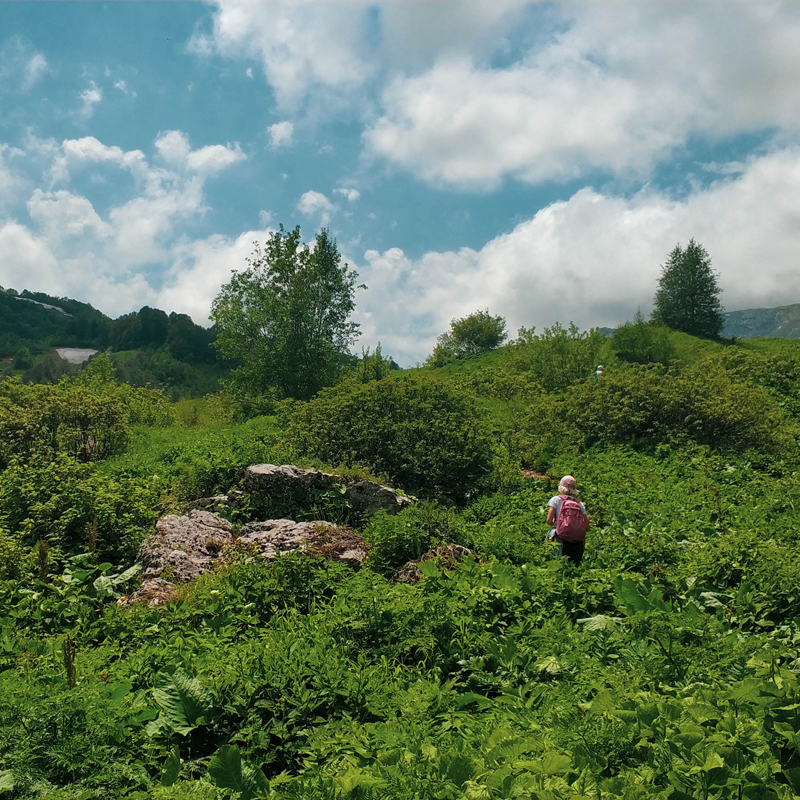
566 516
598 373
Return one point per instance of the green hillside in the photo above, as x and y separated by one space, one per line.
664 666
150 347
782 322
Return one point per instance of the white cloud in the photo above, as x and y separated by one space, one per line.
312 203
90 97
63 215
280 134
34 71
595 259
214 158
21 66
174 148
620 87
122 86
338 47
350 194
199 269
119 257
300 45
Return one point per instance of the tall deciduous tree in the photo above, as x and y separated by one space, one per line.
286 318
687 298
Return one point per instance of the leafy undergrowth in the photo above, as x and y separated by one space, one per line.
665 666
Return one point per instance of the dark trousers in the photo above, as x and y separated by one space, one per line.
572 550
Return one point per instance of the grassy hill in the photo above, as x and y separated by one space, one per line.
665 666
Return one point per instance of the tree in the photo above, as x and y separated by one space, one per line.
469 336
687 298
286 319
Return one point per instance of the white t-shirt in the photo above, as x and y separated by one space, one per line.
555 502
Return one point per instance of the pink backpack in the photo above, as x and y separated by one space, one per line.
572 522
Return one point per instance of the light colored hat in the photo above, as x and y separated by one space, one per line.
568 482
599 366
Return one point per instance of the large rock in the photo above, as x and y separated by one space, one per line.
281 536
265 478
366 497
183 548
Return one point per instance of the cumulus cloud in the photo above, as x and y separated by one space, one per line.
336 48
595 259
280 134
119 257
312 203
174 148
300 45
349 194
619 88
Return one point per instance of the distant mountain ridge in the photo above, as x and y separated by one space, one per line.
782 322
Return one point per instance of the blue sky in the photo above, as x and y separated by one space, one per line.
538 160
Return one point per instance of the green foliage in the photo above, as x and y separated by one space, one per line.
557 357
71 418
469 336
57 499
285 319
645 406
427 437
640 342
664 667
23 358
687 298
373 366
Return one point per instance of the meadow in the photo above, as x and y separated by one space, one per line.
665 666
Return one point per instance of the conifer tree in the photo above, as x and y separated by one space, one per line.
687 298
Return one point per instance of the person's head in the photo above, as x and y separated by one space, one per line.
567 485
599 367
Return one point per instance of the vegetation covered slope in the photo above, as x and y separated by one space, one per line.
665 666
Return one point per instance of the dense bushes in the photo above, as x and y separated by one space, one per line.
641 342
427 437
647 406
558 356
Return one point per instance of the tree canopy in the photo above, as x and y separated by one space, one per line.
468 336
286 318
687 298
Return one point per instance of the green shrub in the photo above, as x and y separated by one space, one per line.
558 356
646 406
75 510
81 421
641 342
427 437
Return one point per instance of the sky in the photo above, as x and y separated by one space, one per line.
536 160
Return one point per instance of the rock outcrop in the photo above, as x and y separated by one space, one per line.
366 497
323 538
185 547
